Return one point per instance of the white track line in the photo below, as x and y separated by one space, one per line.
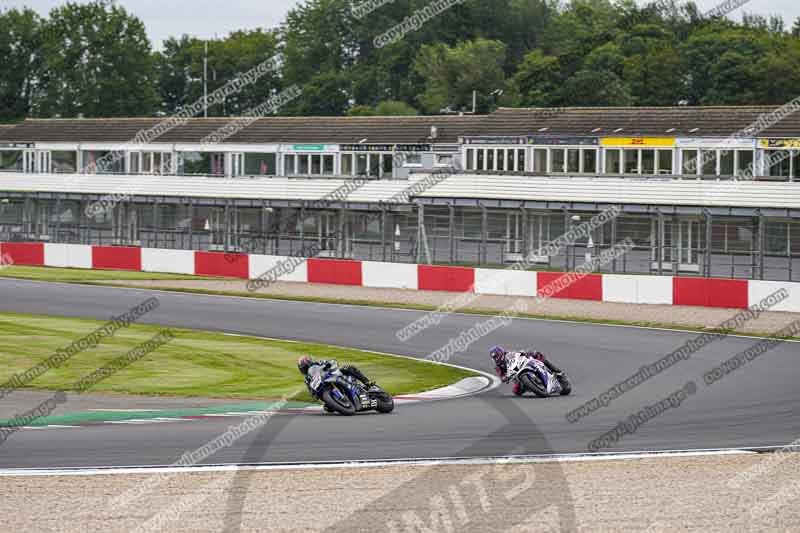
480 461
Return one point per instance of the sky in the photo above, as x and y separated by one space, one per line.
209 18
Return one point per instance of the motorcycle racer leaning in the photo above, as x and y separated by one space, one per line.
305 362
500 357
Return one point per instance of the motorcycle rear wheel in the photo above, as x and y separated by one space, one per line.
335 405
533 385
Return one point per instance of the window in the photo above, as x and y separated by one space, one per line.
501 160
631 161
302 166
589 161
490 160
481 160
573 161
558 160
648 162
413 160
11 160
781 164
613 162
202 163
726 163
289 165
361 164
442 160
709 162
259 164
744 165
63 162
387 167
521 160
510 160
470 160
103 162
347 164
327 165
665 161
689 162
374 165
539 160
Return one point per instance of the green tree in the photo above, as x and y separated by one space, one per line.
538 81
177 81
394 108
97 62
20 62
451 74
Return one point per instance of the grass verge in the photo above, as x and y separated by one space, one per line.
81 275
195 363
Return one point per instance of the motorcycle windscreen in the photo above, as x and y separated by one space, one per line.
315 375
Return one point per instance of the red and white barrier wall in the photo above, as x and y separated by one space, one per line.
665 290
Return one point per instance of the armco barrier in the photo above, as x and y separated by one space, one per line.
709 292
68 255
665 290
637 289
334 272
265 267
169 261
220 264
24 253
505 282
117 258
389 275
442 278
588 287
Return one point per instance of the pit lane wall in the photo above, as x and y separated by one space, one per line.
664 290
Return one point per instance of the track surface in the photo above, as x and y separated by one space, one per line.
757 406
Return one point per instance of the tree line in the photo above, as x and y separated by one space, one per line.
96 60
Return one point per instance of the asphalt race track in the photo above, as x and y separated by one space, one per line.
759 405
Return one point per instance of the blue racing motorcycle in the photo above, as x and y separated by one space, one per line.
345 395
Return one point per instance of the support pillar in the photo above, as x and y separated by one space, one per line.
383 233
420 230
614 243
761 243
452 233
483 253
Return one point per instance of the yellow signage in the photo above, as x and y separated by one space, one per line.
638 141
779 143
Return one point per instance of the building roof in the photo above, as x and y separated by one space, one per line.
254 189
636 122
639 191
462 189
272 130
512 122
5 128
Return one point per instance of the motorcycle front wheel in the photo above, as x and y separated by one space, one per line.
533 385
385 403
344 407
566 386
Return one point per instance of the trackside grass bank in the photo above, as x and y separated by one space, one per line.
78 274
194 363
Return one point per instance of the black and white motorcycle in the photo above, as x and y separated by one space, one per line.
533 375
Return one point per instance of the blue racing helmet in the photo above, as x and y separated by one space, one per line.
498 354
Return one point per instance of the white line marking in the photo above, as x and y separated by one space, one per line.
480 461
